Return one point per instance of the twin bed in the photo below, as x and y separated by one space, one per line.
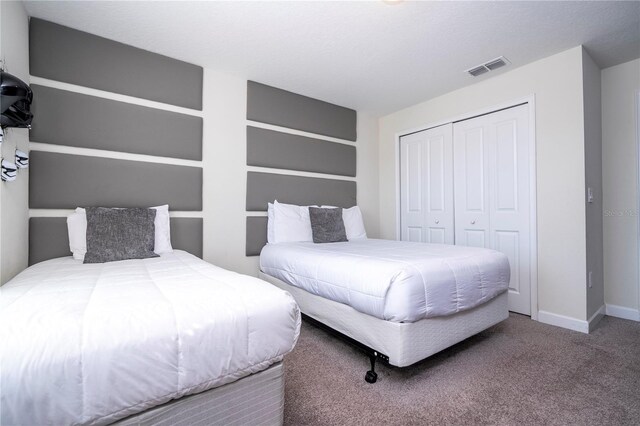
175 340
131 340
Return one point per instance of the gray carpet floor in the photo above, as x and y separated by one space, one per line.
517 372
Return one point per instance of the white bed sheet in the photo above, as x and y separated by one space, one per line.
392 280
90 344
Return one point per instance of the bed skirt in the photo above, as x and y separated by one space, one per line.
404 343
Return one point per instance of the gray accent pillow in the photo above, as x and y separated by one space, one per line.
119 234
327 225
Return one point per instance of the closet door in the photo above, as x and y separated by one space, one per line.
491 158
471 182
426 182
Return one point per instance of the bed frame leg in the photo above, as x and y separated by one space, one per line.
371 375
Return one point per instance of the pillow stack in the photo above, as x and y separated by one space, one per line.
292 223
111 234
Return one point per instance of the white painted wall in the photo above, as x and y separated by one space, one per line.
14 210
556 82
225 172
367 173
620 86
593 178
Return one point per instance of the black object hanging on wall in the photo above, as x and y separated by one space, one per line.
15 101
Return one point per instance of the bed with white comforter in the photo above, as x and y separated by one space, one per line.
395 281
90 344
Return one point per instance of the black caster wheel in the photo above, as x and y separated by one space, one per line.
371 376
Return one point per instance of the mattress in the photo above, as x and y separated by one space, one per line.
91 344
391 280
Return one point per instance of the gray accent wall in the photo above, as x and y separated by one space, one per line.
263 188
287 151
71 56
72 119
271 105
49 238
63 181
87 140
256 235
269 148
186 234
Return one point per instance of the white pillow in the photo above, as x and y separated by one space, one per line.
162 224
77 229
271 239
291 223
353 223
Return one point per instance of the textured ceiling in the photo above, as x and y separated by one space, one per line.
368 55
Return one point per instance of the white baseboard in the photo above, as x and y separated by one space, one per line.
623 312
596 317
563 321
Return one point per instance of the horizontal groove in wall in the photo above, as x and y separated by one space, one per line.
113 96
67 212
50 212
116 155
185 214
299 132
298 173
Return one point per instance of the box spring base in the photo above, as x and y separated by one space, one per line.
403 343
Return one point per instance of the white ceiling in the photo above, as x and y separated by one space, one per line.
368 55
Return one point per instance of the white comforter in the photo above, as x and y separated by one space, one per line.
392 280
96 343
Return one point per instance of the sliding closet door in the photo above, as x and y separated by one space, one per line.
491 157
426 183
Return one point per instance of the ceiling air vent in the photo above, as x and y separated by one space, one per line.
496 63
478 70
493 64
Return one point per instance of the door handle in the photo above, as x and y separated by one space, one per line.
437 221
473 222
